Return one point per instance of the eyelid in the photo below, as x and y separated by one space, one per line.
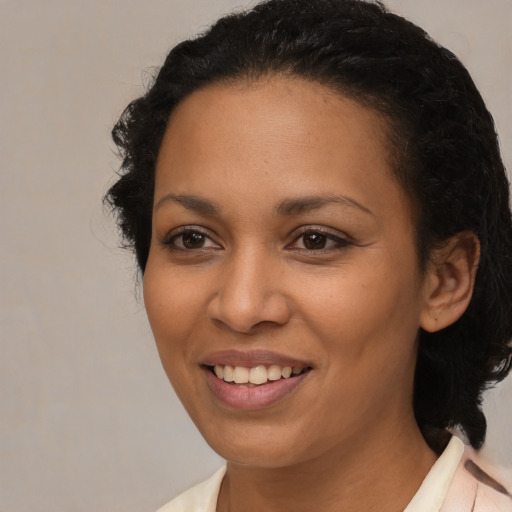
180 230
341 238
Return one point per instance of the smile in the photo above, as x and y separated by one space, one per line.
252 388
257 375
253 379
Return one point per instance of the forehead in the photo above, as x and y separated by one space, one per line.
285 134
276 102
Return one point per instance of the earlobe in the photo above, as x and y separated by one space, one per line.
450 280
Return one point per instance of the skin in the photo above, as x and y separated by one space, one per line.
346 439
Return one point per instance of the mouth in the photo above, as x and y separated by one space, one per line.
253 380
255 376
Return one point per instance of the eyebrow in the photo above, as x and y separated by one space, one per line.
285 208
190 202
311 203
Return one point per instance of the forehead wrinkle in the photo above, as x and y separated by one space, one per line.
191 202
310 203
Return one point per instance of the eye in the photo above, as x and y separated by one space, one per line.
314 240
318 240
189 239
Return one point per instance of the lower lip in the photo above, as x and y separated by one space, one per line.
238 396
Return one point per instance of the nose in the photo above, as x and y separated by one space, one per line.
250 293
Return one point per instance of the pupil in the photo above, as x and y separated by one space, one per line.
193 240
314 241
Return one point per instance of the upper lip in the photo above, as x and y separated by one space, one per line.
251 358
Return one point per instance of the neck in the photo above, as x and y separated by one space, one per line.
378 473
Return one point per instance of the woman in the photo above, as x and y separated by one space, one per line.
315 196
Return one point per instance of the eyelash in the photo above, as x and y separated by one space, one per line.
185 230
339 242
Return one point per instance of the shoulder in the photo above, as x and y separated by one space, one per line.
478 486
200 498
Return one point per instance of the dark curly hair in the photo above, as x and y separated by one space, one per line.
445 153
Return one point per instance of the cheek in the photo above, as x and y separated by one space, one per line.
172 304
372 306
368 328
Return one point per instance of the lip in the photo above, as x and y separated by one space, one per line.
251 358
252 398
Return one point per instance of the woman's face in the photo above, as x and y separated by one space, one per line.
281 240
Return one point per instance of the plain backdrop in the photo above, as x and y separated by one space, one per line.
88 421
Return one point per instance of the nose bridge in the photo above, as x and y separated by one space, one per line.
249 291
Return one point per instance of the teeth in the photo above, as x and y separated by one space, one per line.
219 371
241 375
229 374
257 375
286 372
274 372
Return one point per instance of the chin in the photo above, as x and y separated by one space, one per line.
260 446
258 457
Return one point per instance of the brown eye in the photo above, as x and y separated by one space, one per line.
193 240
314 241
190 240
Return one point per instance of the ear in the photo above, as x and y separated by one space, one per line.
450 280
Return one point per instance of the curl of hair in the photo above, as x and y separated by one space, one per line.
441 136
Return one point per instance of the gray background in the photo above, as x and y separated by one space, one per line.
87 418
